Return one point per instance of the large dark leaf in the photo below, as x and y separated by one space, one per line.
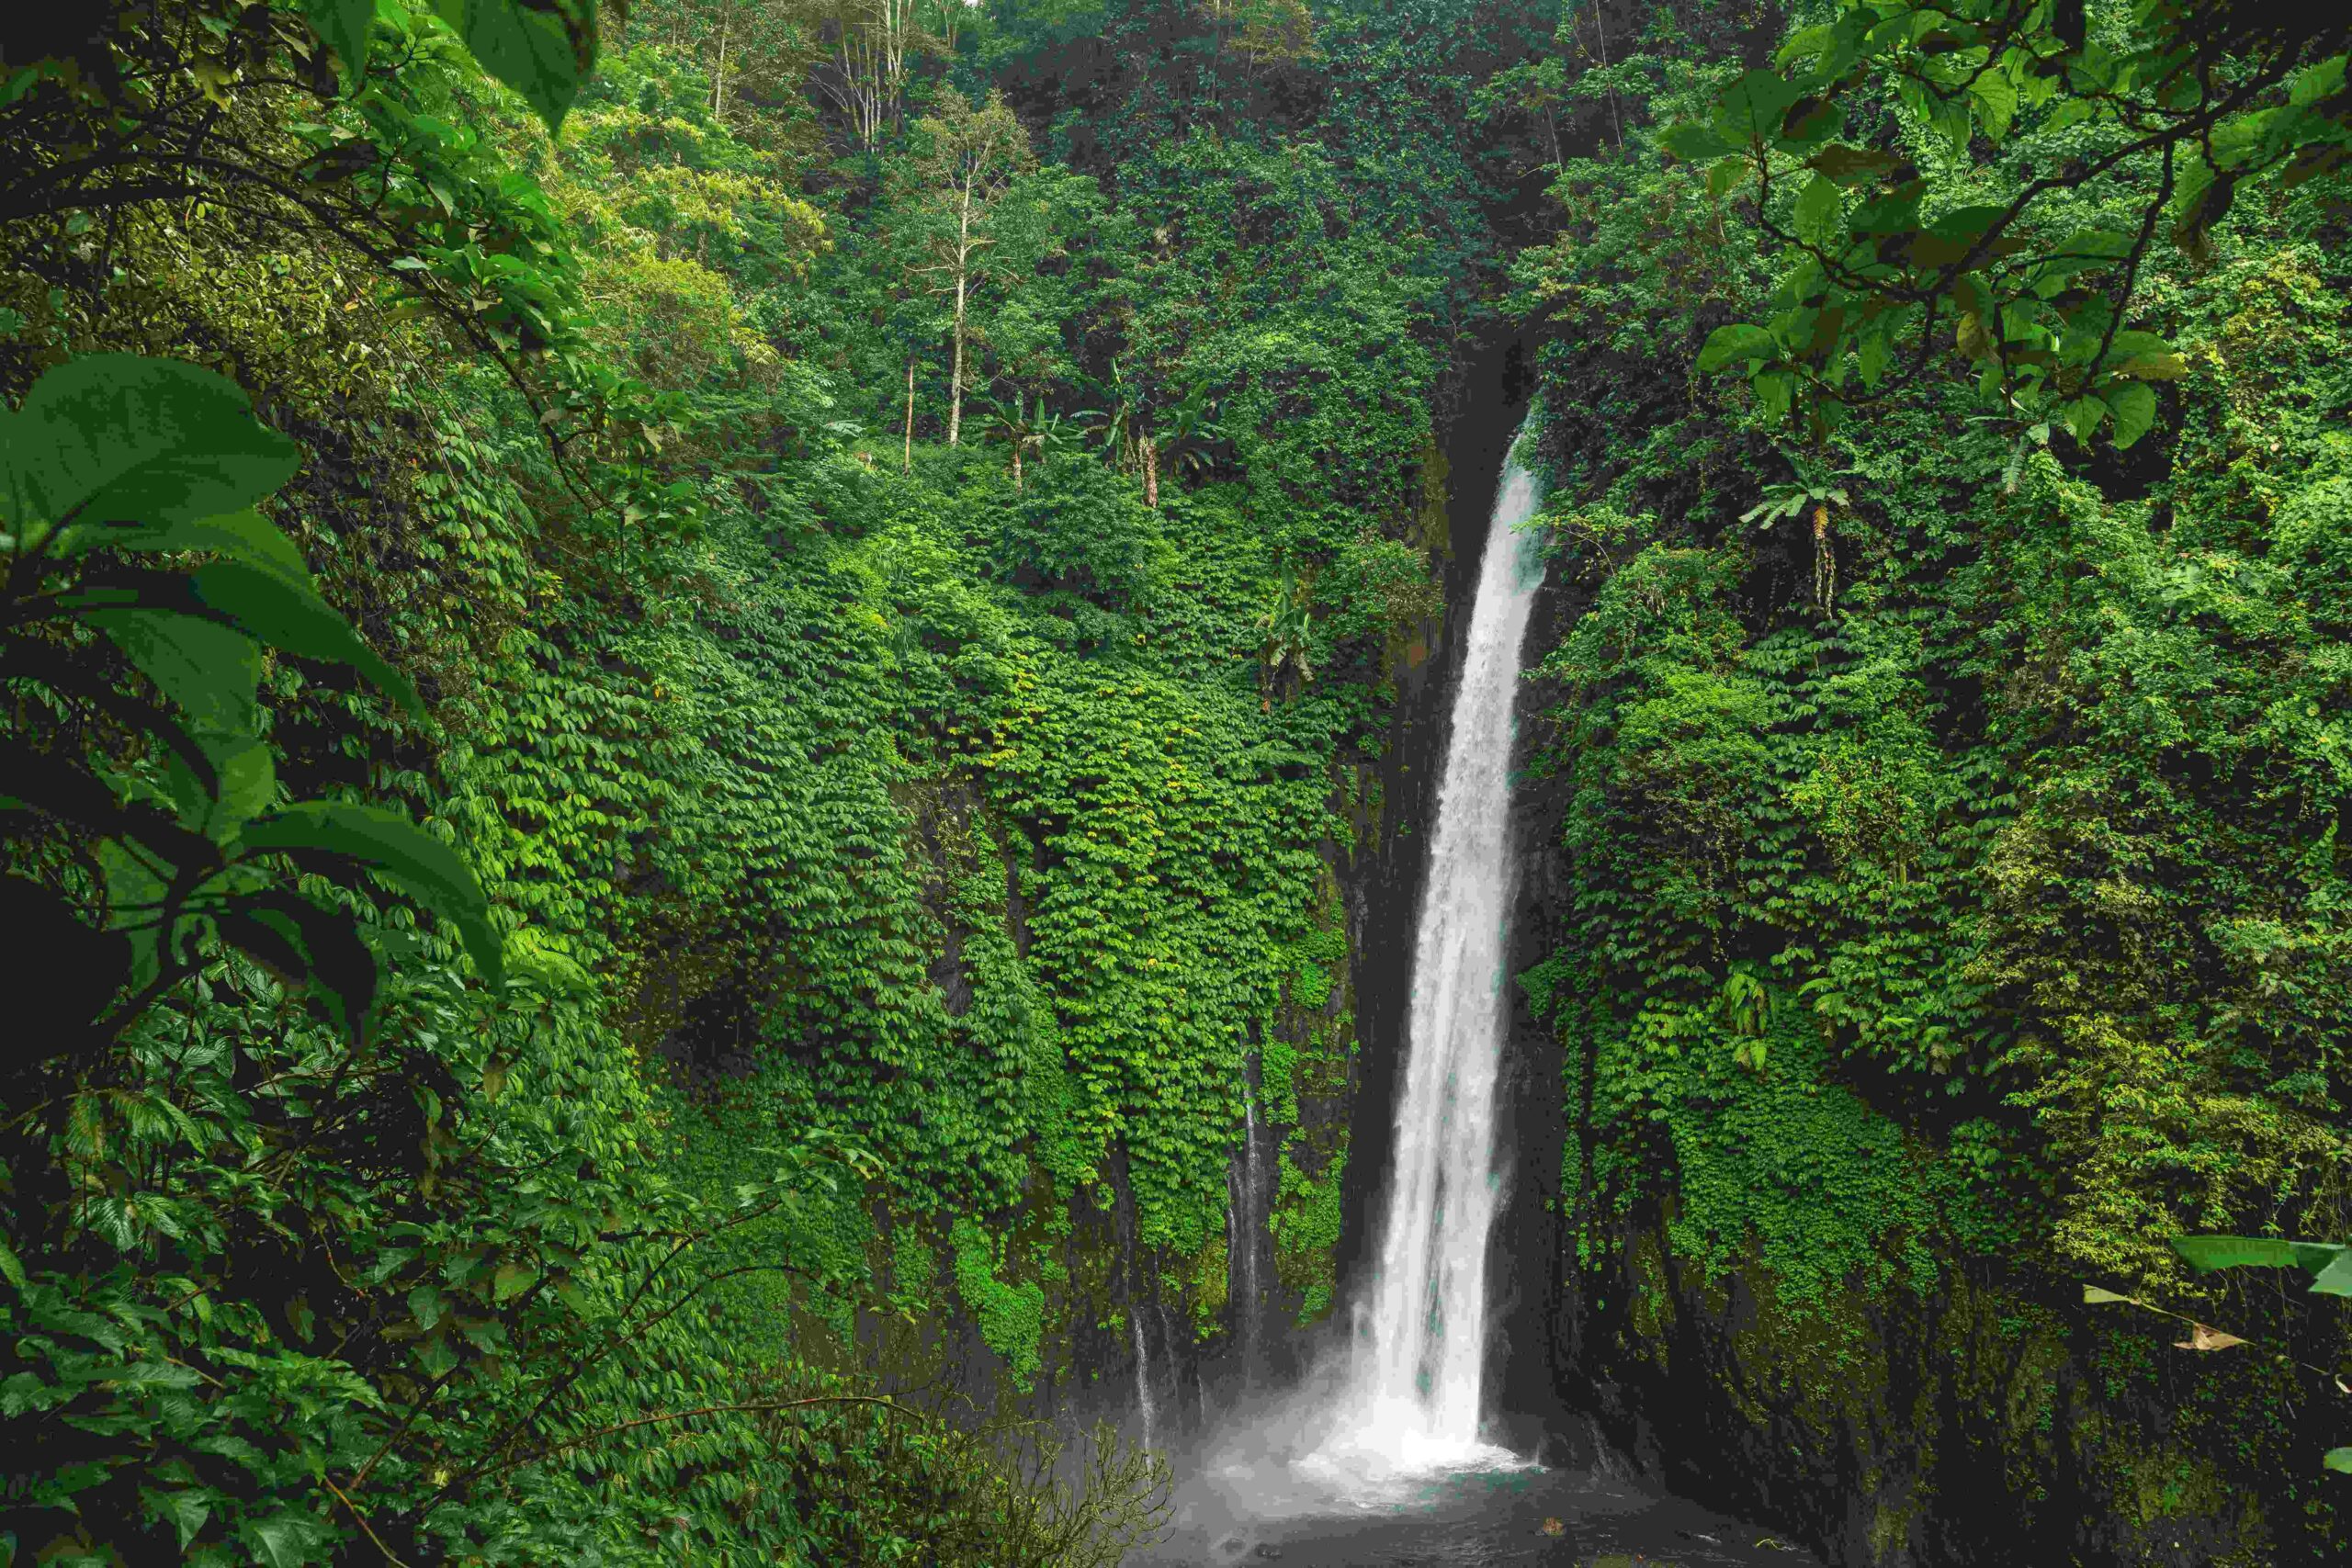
273 611
59 972
344 25
243 536
261 602
542 49
306 943
208 670
114 436
402 854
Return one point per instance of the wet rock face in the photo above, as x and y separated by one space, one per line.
1984 1422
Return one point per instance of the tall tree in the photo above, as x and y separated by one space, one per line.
963 162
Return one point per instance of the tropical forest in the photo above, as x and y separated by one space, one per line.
1005 783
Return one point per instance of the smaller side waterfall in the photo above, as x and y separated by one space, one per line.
1245 1212
1144 1402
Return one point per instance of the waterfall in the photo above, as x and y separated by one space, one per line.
1144 1402
1414 1394
1245 1228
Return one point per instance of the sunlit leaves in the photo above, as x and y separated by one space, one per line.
1725 346
542 49
2329 1263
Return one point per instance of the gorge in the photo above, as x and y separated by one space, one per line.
1028 782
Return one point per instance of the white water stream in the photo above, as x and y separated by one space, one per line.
1414 1394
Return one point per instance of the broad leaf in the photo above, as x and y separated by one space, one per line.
2335 1279
115 437
276 612
2206 1253
2339 1460
1738 341
243 536
1817 211
305 942
544 50
402 854
343 24
209 671
1750 109
2134 403
1693 142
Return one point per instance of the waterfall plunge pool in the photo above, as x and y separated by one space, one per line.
1246 1504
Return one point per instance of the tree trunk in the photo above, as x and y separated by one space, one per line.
956 376
907 462
963 280
1151 450
719 76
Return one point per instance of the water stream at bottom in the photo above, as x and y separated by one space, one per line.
1240 1512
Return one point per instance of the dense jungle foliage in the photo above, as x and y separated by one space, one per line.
688 686
1953 727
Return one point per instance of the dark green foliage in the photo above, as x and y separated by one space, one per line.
1952 798
891 851
586 852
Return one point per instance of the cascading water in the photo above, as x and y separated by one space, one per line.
1388 1465
1146 1405
1246 1214
1414 1394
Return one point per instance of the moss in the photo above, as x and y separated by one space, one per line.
1305 1227
1012 1317
1205 1288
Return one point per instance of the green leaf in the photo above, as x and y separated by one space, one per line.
270 609
511 1280
1738 341
2094 1296
187 1510
243 536
2134 403
2206 1253
1693 142
2083 416
2339 1460
1996 103
544 51
343 24
2145 356
209 671
1873 355
116 438
1817 211
287 1540
397 849
1752 107
2335 1279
